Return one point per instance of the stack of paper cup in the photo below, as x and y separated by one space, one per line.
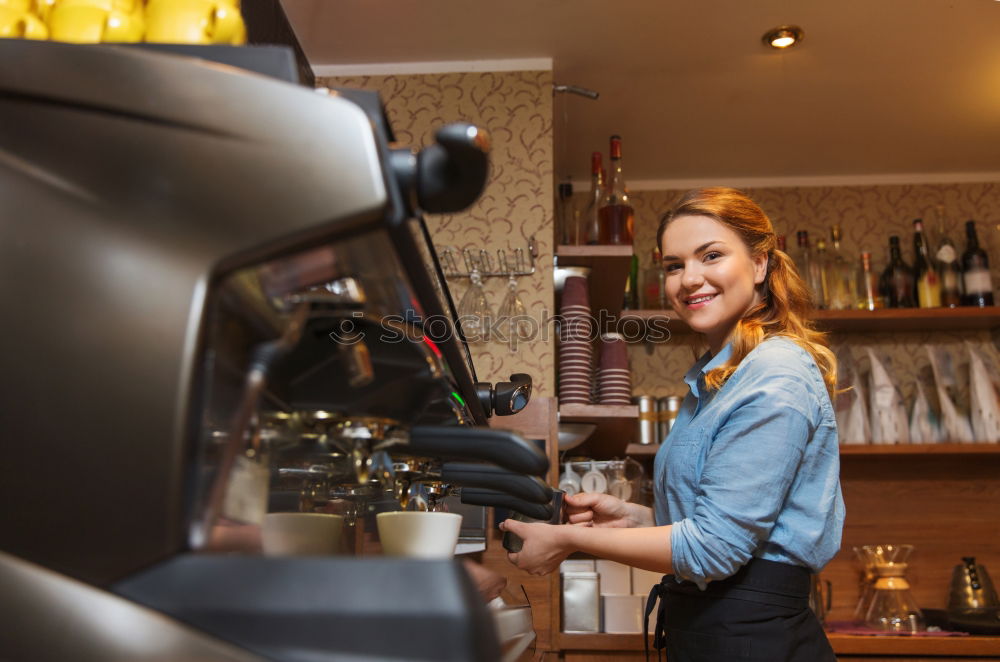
614 378
576 353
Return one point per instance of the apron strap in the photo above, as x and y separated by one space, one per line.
659 635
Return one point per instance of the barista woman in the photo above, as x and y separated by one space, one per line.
747 491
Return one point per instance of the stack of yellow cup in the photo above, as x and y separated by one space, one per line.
20 20
96 21
195 22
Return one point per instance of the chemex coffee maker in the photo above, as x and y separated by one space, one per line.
221 300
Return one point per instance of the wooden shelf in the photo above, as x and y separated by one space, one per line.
642 450
920 449
897 319
601 642
868 450
589 256
843 644
596 413
616 426
609 265
849 644
909 319
659 325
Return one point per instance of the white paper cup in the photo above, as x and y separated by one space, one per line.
416 534
301 534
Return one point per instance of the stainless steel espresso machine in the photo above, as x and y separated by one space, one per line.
221 300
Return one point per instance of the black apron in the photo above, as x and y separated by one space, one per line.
760 613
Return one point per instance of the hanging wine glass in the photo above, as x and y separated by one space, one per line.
514 317
474 311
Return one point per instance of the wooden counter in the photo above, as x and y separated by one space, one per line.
607 647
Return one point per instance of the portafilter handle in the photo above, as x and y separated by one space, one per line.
503 448
497 499
480 475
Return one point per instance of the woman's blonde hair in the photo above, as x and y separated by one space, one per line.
785 305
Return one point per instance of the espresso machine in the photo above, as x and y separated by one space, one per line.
222 301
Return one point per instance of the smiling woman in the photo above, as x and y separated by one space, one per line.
747 491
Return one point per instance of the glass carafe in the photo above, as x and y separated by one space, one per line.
892 605
866 584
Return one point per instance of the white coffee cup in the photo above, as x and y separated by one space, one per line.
426 535
301 534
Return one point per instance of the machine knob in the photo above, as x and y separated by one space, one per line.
505 398
451 174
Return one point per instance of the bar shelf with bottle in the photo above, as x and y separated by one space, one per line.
963 318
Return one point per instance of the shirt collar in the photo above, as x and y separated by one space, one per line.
706 364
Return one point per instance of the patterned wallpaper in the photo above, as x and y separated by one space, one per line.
868 215
517 205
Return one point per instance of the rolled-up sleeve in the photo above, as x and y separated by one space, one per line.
752 460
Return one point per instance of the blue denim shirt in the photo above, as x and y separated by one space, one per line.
753 469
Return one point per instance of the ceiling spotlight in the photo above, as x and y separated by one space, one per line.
783 37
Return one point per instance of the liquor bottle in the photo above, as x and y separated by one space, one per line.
928 281
897 279
949 266
617 215
841 280
809 268
869 297
976 271
822 264
631 299
593 218
567 235
653 284
781 243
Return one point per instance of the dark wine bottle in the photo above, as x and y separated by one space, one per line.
897 282
617 214
976 271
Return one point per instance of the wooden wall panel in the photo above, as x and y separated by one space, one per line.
947 507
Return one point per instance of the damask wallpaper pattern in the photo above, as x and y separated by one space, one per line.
517 205
516 108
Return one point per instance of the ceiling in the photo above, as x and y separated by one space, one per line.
879 91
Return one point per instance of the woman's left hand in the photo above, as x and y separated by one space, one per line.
544 546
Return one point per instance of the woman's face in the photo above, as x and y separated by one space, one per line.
711 278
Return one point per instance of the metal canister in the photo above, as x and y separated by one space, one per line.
648 419
581 602
667 408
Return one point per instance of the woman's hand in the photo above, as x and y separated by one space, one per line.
604 510
544 546
489 583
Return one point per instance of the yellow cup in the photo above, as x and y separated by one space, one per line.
94 21
21 24
195 22
19 5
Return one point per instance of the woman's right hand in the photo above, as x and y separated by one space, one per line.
603 510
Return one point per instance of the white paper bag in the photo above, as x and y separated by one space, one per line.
853 426
889 422
924 425
984 384
955 425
